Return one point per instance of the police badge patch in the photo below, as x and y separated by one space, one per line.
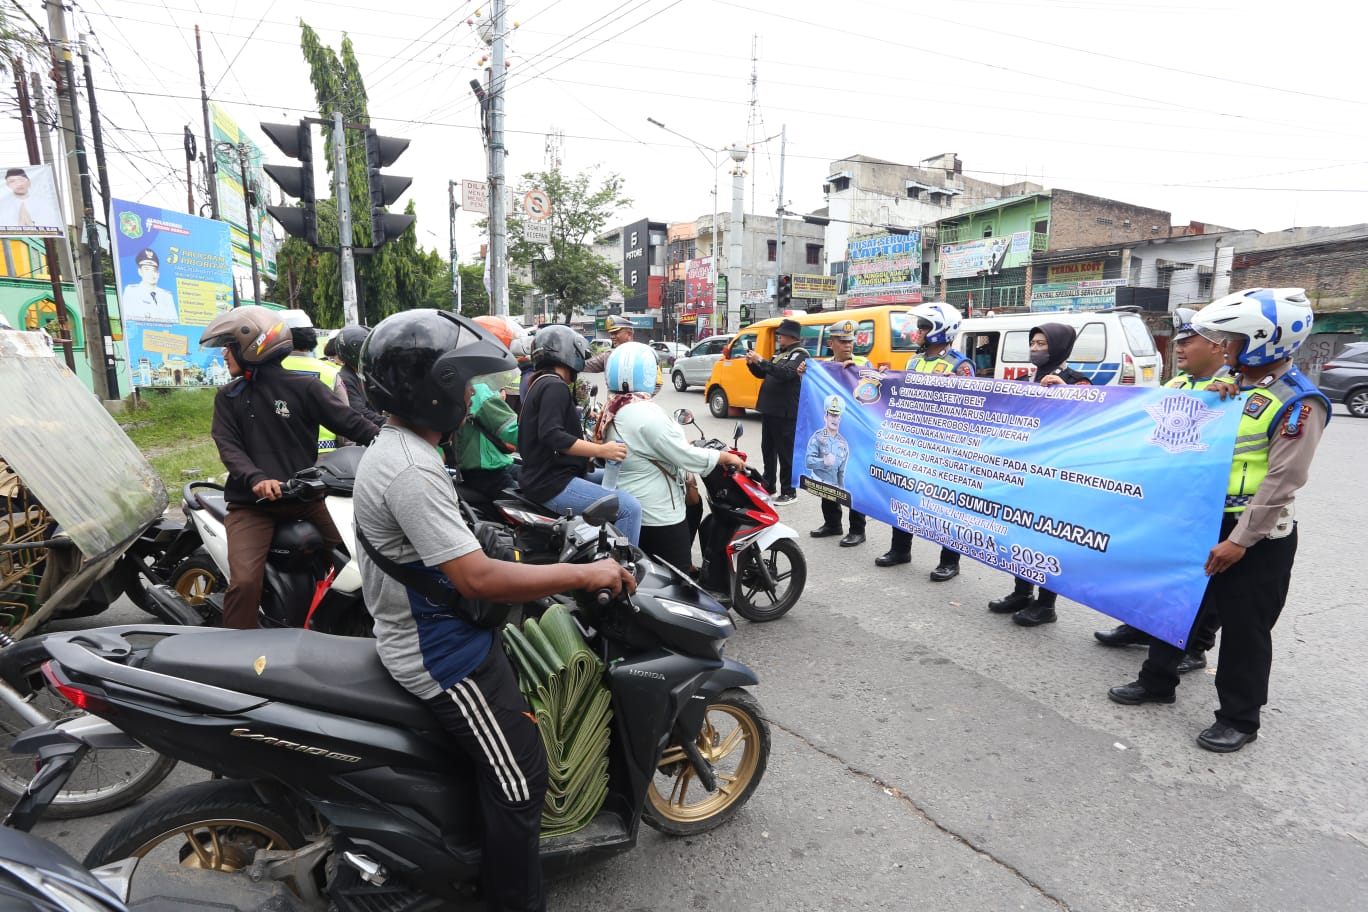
868 389
1256 405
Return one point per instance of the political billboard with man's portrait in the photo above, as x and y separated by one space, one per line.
28 203
174 273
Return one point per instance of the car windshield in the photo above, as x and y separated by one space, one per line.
1138 336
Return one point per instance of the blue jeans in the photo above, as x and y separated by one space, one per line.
581 492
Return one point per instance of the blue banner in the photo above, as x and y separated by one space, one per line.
1110 496
174 275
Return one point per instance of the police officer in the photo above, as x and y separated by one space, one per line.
302 360
147 301
777 404
620 329
842 338
1250 569
1201 362
937 324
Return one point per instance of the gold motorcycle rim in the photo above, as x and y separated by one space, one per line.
215 845
730 742
195 585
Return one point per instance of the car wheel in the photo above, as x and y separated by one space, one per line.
717 402
679 382
1356 401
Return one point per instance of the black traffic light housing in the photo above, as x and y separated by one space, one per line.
381 152
296 141
783 295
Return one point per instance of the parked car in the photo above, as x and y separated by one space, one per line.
1344 378
1114 346
672 350
694 366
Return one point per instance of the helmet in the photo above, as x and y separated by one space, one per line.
296 319
255 334
943 320
1182 323
1273 322
521 347
632 368
506 329
559 344
349 341
418 364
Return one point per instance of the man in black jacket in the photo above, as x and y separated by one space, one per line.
778 406
266 428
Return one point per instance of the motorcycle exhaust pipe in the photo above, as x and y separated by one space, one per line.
171 607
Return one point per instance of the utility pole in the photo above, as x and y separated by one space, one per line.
96 132
498 214
210 159
455 267
49 245
779 211
344 226
247 194
94 307
189 177
68 265
735 247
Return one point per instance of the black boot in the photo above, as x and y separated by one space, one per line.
1009 604
1122 635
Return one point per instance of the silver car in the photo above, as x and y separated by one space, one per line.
1344 378
694 368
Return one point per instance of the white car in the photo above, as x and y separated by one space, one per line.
695 366
669 352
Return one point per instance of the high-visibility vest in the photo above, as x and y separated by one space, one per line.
947 362
326 372
1263 411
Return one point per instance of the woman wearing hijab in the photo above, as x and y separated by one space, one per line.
1051 344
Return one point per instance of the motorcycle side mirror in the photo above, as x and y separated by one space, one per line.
684 417
740 429
602 511
593 390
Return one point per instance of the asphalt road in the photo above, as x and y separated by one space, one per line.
931 755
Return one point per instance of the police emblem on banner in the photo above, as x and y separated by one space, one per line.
1179 421
870 387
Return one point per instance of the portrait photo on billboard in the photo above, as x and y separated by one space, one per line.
28 203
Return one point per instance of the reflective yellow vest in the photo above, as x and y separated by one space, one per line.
1183 381
326 372
947 362
1263 411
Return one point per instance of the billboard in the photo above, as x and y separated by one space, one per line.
1090 295
28 203
966 260
886 267
698 290
815 286
232 203
636 269
174 274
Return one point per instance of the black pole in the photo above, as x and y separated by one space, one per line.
92 234
210 157
247 202
96 133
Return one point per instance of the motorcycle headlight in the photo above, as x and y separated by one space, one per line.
720 621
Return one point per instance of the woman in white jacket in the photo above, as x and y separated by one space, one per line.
658 454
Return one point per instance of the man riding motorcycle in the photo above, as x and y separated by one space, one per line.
422 367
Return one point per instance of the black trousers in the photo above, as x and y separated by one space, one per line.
1044 596
1246 600
672 544
831 516
901 543
776 445
489 720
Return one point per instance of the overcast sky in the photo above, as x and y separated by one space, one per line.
1245 113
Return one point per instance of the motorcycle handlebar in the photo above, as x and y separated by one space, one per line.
604 597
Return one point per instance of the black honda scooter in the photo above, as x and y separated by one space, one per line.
342 784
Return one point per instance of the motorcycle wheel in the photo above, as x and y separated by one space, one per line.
735 741
197 577
786 565
217 825
105 780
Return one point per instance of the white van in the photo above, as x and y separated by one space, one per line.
1114 347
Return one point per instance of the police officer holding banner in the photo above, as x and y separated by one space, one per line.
778 406
842 338
1250 568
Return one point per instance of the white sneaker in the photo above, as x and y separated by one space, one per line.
783 500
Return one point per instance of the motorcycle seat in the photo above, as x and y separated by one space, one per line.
213 503
338 674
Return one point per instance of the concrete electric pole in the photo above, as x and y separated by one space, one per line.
736 246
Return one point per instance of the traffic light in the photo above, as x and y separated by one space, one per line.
381 152
294 180
784 292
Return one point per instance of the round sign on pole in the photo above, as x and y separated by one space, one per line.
537 205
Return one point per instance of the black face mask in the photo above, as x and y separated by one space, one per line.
1040 358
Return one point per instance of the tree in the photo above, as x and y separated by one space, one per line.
572 276
17 43
401 275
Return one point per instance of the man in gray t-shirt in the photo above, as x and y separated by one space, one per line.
406 506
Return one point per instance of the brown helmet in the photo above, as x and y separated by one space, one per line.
255 333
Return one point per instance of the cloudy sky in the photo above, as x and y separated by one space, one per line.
1245 113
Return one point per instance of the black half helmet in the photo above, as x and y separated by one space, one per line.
417 365
559 344
349 342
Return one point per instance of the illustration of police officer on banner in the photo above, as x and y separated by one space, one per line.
827 451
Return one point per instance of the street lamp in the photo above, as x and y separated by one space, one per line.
247 194
716 161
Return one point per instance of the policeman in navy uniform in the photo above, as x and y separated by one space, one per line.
778 406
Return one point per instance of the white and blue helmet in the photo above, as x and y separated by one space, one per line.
944 320
631 369
1273 322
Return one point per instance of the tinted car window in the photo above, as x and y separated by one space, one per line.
904 328
743 344
1091 344
1138 336
1352 355
702 348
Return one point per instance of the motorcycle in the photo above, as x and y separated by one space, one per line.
339 782
305 583
747 551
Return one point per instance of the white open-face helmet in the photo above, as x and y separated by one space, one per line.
1273 321
944 320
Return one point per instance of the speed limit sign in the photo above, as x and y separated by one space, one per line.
537 205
